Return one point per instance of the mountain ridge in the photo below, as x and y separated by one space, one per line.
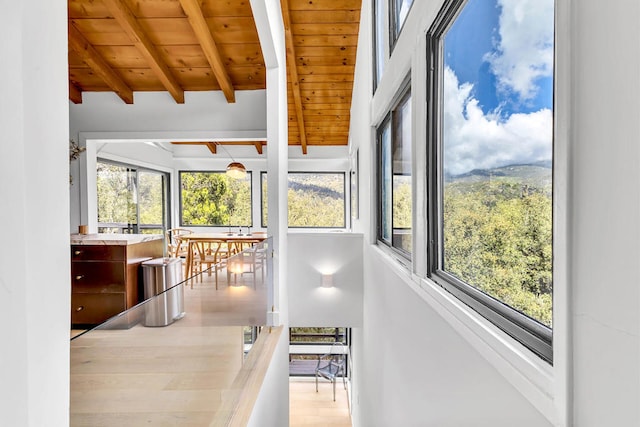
538 174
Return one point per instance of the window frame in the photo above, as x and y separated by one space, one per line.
223 172
403 94
377 33
534 335
137 228
394 31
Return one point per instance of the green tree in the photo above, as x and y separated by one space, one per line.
314 200
498 238
212 198
151 197
402 202
114 192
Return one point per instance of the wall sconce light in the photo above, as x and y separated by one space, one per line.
327 281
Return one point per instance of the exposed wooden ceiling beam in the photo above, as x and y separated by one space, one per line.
99 66
293 73
203 34
130 25
75 94
212 147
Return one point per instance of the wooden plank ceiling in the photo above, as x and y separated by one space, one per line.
128 46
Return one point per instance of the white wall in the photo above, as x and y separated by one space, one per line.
414 369
34 182
311 255
157 111
605 236
136 153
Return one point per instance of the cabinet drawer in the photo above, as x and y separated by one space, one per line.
93 309
98 252
98 276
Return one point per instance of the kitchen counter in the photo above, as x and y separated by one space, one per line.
112 239
105 273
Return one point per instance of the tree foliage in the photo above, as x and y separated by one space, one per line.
498 238
151 197
124 193
314 200
212 198
115 194
402 213
402 202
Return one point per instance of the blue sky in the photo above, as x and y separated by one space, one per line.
467 42
498 84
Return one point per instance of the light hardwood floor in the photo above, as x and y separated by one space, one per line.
308 408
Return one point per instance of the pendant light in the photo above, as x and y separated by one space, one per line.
235 169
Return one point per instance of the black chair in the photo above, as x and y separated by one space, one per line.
332 365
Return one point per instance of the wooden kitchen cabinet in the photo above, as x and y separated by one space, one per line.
106 275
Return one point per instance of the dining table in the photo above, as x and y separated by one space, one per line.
234 241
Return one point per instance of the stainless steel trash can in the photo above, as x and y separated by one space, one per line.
165 300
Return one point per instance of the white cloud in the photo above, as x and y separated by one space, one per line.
475 140
524 50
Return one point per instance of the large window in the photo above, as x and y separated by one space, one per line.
315 199
131 199
394 177
214 199
492 137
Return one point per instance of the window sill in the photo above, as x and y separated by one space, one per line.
395 256
528 373
317 230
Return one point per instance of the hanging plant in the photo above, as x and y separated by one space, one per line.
74 153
